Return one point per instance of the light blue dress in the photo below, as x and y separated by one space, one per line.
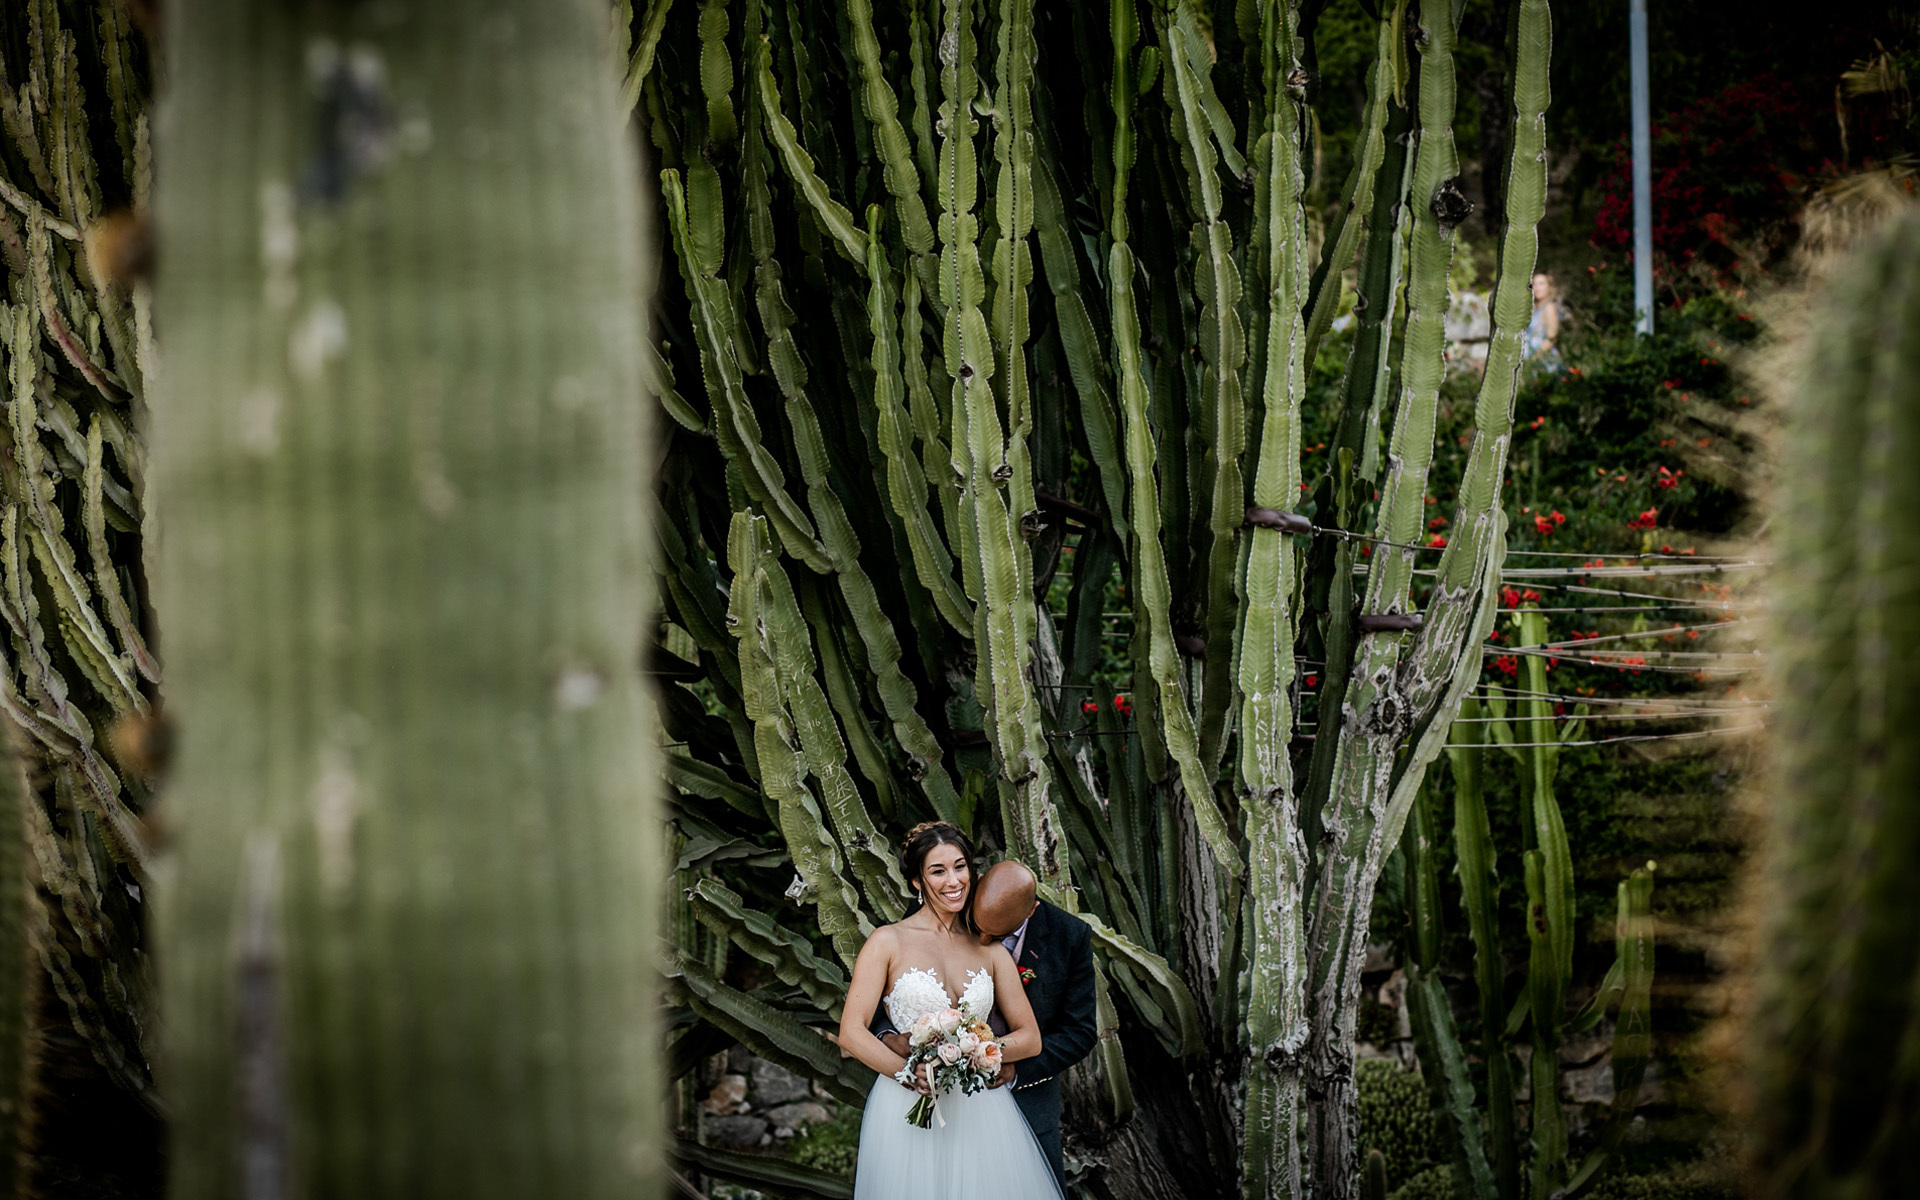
1533 344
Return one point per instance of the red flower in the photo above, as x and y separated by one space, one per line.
1123 706
1543 524
1507 664
1089 706
1438 541
1493 636
1537 423
1510 597
1530 596
1026 976
1646 520
1366 551
1559 518
1313 681
1437 523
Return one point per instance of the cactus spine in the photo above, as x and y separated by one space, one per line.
1831 1035
399 462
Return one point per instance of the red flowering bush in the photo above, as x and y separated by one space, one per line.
1729 172
1646 520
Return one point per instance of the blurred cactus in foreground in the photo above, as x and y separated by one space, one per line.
399 465
17 968
991 325
1833 1041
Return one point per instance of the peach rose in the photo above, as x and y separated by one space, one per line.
924 1031
949 1053
986 1057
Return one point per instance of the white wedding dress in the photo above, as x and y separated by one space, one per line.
985 1149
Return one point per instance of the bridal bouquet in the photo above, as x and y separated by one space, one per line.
959 1050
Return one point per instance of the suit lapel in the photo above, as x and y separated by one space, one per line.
1031 951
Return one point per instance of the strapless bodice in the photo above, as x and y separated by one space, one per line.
918 991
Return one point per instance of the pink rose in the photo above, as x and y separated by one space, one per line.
949 1053
967 1042
947 1020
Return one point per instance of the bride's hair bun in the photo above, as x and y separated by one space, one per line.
914 834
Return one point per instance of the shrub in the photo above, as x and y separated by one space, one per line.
1394 1118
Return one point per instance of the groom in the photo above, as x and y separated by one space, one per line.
1054 952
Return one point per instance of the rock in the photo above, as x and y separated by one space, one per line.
1379 958
790 1119
728 1096
740 1060
737 1130
775 1085
1584 1049
1583 1084
1393 994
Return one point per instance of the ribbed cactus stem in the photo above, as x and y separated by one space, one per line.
1473 850
1274 1162
1831 1096
409 925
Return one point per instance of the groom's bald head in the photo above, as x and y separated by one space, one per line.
1004 898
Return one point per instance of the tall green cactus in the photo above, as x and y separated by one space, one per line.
878 181
1830 1041
75 349
1546 897
399 457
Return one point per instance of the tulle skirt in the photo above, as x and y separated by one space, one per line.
986 1149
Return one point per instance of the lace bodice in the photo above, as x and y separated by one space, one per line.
918 991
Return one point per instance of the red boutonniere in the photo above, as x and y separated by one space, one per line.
1026 976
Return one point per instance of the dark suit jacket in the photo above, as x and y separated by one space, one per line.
1058 950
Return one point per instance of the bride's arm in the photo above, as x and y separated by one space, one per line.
863 996
1023 1032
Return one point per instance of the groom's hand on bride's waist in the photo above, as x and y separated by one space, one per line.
1005 1077
896 1042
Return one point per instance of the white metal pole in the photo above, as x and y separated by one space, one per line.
1642 174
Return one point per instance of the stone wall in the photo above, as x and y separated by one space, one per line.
749 1102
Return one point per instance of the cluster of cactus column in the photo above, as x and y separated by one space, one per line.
77 674
1485 1142
913 464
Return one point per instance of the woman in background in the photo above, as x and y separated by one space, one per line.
1538 344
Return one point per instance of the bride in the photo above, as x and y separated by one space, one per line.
931 960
